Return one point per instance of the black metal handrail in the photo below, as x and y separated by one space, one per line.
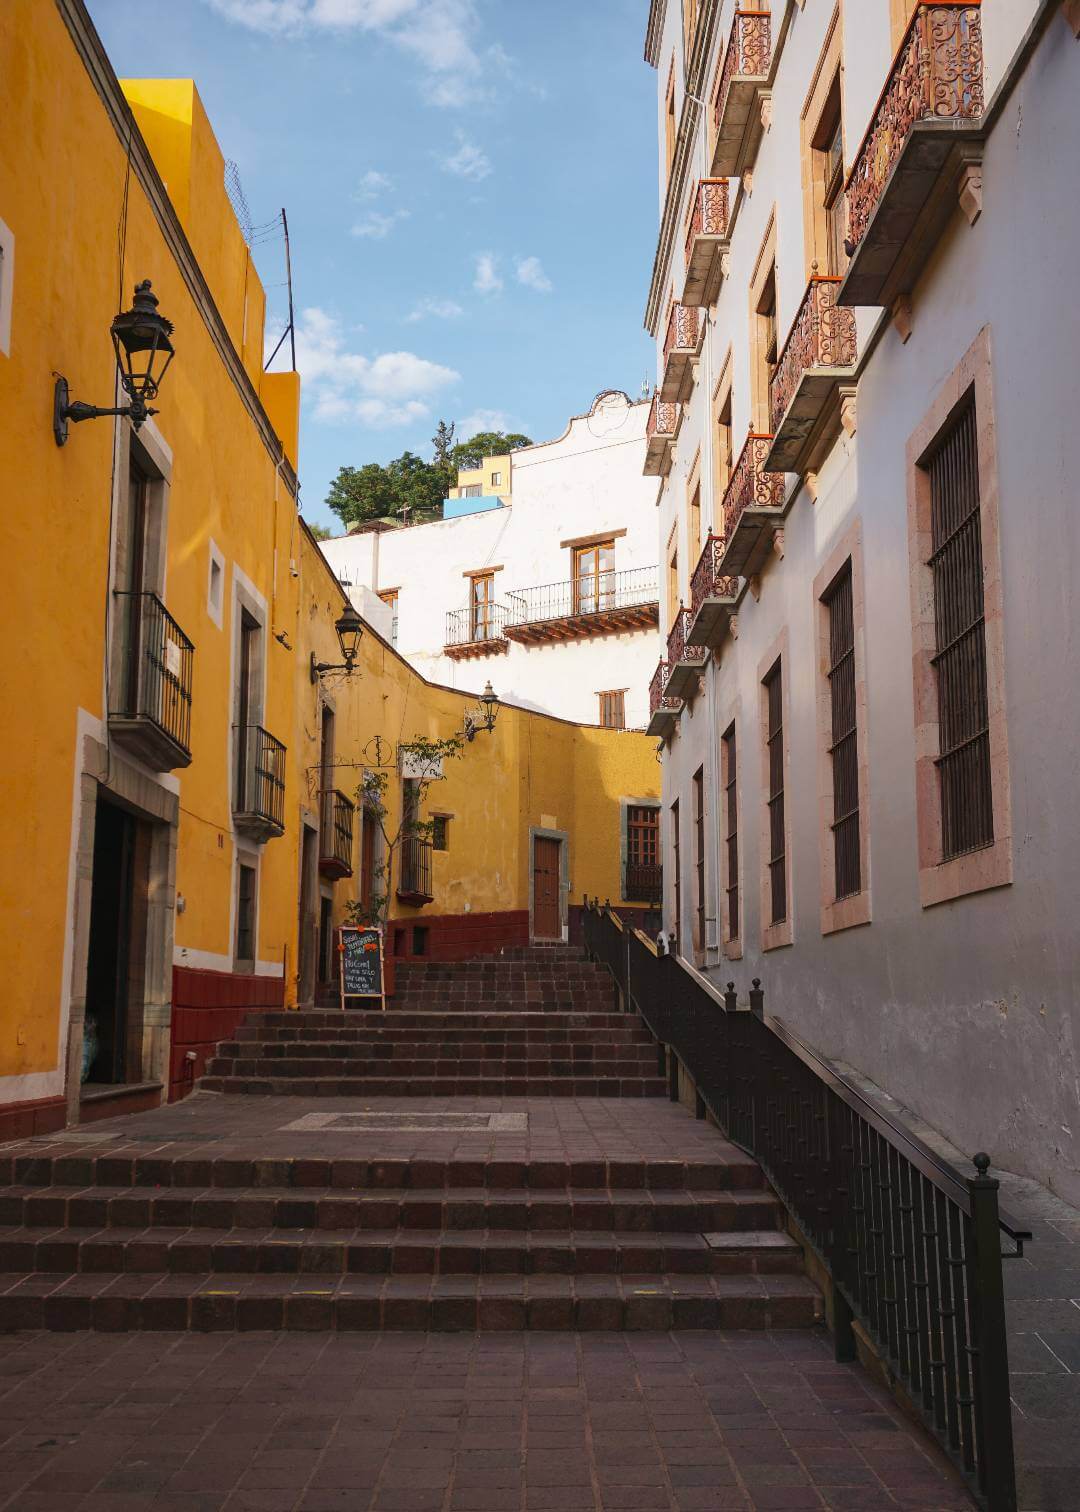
913 1248
158 661
644 882
261 775
336 830
415 874
589 593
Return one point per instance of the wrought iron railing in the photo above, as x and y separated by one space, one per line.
590 593
708 581
158 659
678 647
682 329
749 52
415 870
261 773
663 419
937 75
643 882
751 487
912 1247
336 831
657 684
822 335
708 212
468 627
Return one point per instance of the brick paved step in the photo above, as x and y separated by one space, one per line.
199 1173
210 1251
424 1035
311 1024
424 1063
446 1086
52 1210
118 1304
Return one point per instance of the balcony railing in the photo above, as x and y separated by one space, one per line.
744 69
708 213
259 806
644 883
591 604
751 487
660 431
822 335
663 710
336 834
682 342
682 330
152 714
708 581
679 647
414 881
477 631
937 76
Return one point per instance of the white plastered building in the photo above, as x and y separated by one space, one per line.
869 542
552 597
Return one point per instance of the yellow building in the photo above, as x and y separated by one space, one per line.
492 479
173 851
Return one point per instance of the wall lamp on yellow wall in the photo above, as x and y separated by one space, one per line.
350 630
485 716
140 338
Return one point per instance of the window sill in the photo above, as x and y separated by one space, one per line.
977 872
775 936
845 913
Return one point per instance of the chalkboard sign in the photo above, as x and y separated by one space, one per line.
362 964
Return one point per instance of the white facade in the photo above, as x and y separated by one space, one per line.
949 982
585 486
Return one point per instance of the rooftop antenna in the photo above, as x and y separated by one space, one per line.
290 329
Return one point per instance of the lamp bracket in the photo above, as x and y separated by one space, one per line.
67 410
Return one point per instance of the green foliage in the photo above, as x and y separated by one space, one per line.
321 532
362 493
470 454
424 759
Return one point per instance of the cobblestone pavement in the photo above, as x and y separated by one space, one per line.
460 1423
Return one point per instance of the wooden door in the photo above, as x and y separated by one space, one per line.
547 919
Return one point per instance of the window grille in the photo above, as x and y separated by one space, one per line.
963 762
777 836
676 871
613 710
729 773
699 856
844 745
644 876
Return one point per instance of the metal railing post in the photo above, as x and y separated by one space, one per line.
990 1363
757 999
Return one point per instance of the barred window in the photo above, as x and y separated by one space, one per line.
844 745
644 876
774 745
963 761
728 774
676 871
699 856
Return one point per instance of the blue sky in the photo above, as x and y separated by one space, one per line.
470 186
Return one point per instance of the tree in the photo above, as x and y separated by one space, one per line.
470 454
362 493
424 759
417 488
321 532
443 444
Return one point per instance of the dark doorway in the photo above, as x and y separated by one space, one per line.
114 972
308 918
547 919
326 941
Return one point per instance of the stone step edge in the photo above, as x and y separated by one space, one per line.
394 1303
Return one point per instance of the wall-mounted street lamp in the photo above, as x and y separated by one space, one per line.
140 338
485 716
350 630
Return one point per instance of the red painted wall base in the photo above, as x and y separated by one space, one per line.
207 1007
457 937
43 1115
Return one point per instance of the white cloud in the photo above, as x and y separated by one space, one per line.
530 272
372 184
391 389
439 34
488 280
469 161
483 420
438 309
378 225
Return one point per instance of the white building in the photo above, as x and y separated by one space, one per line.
552 597
869 540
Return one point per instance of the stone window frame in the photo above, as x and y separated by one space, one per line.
828 71
941 881
148 450
245 855
215 601
774 936
721 400
764 266
842 913
695 543
245 597
7 285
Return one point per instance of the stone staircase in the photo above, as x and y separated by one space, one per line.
536 1022
526 1193
168 1241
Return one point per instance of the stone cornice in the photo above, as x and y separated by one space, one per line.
96 62
654 32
